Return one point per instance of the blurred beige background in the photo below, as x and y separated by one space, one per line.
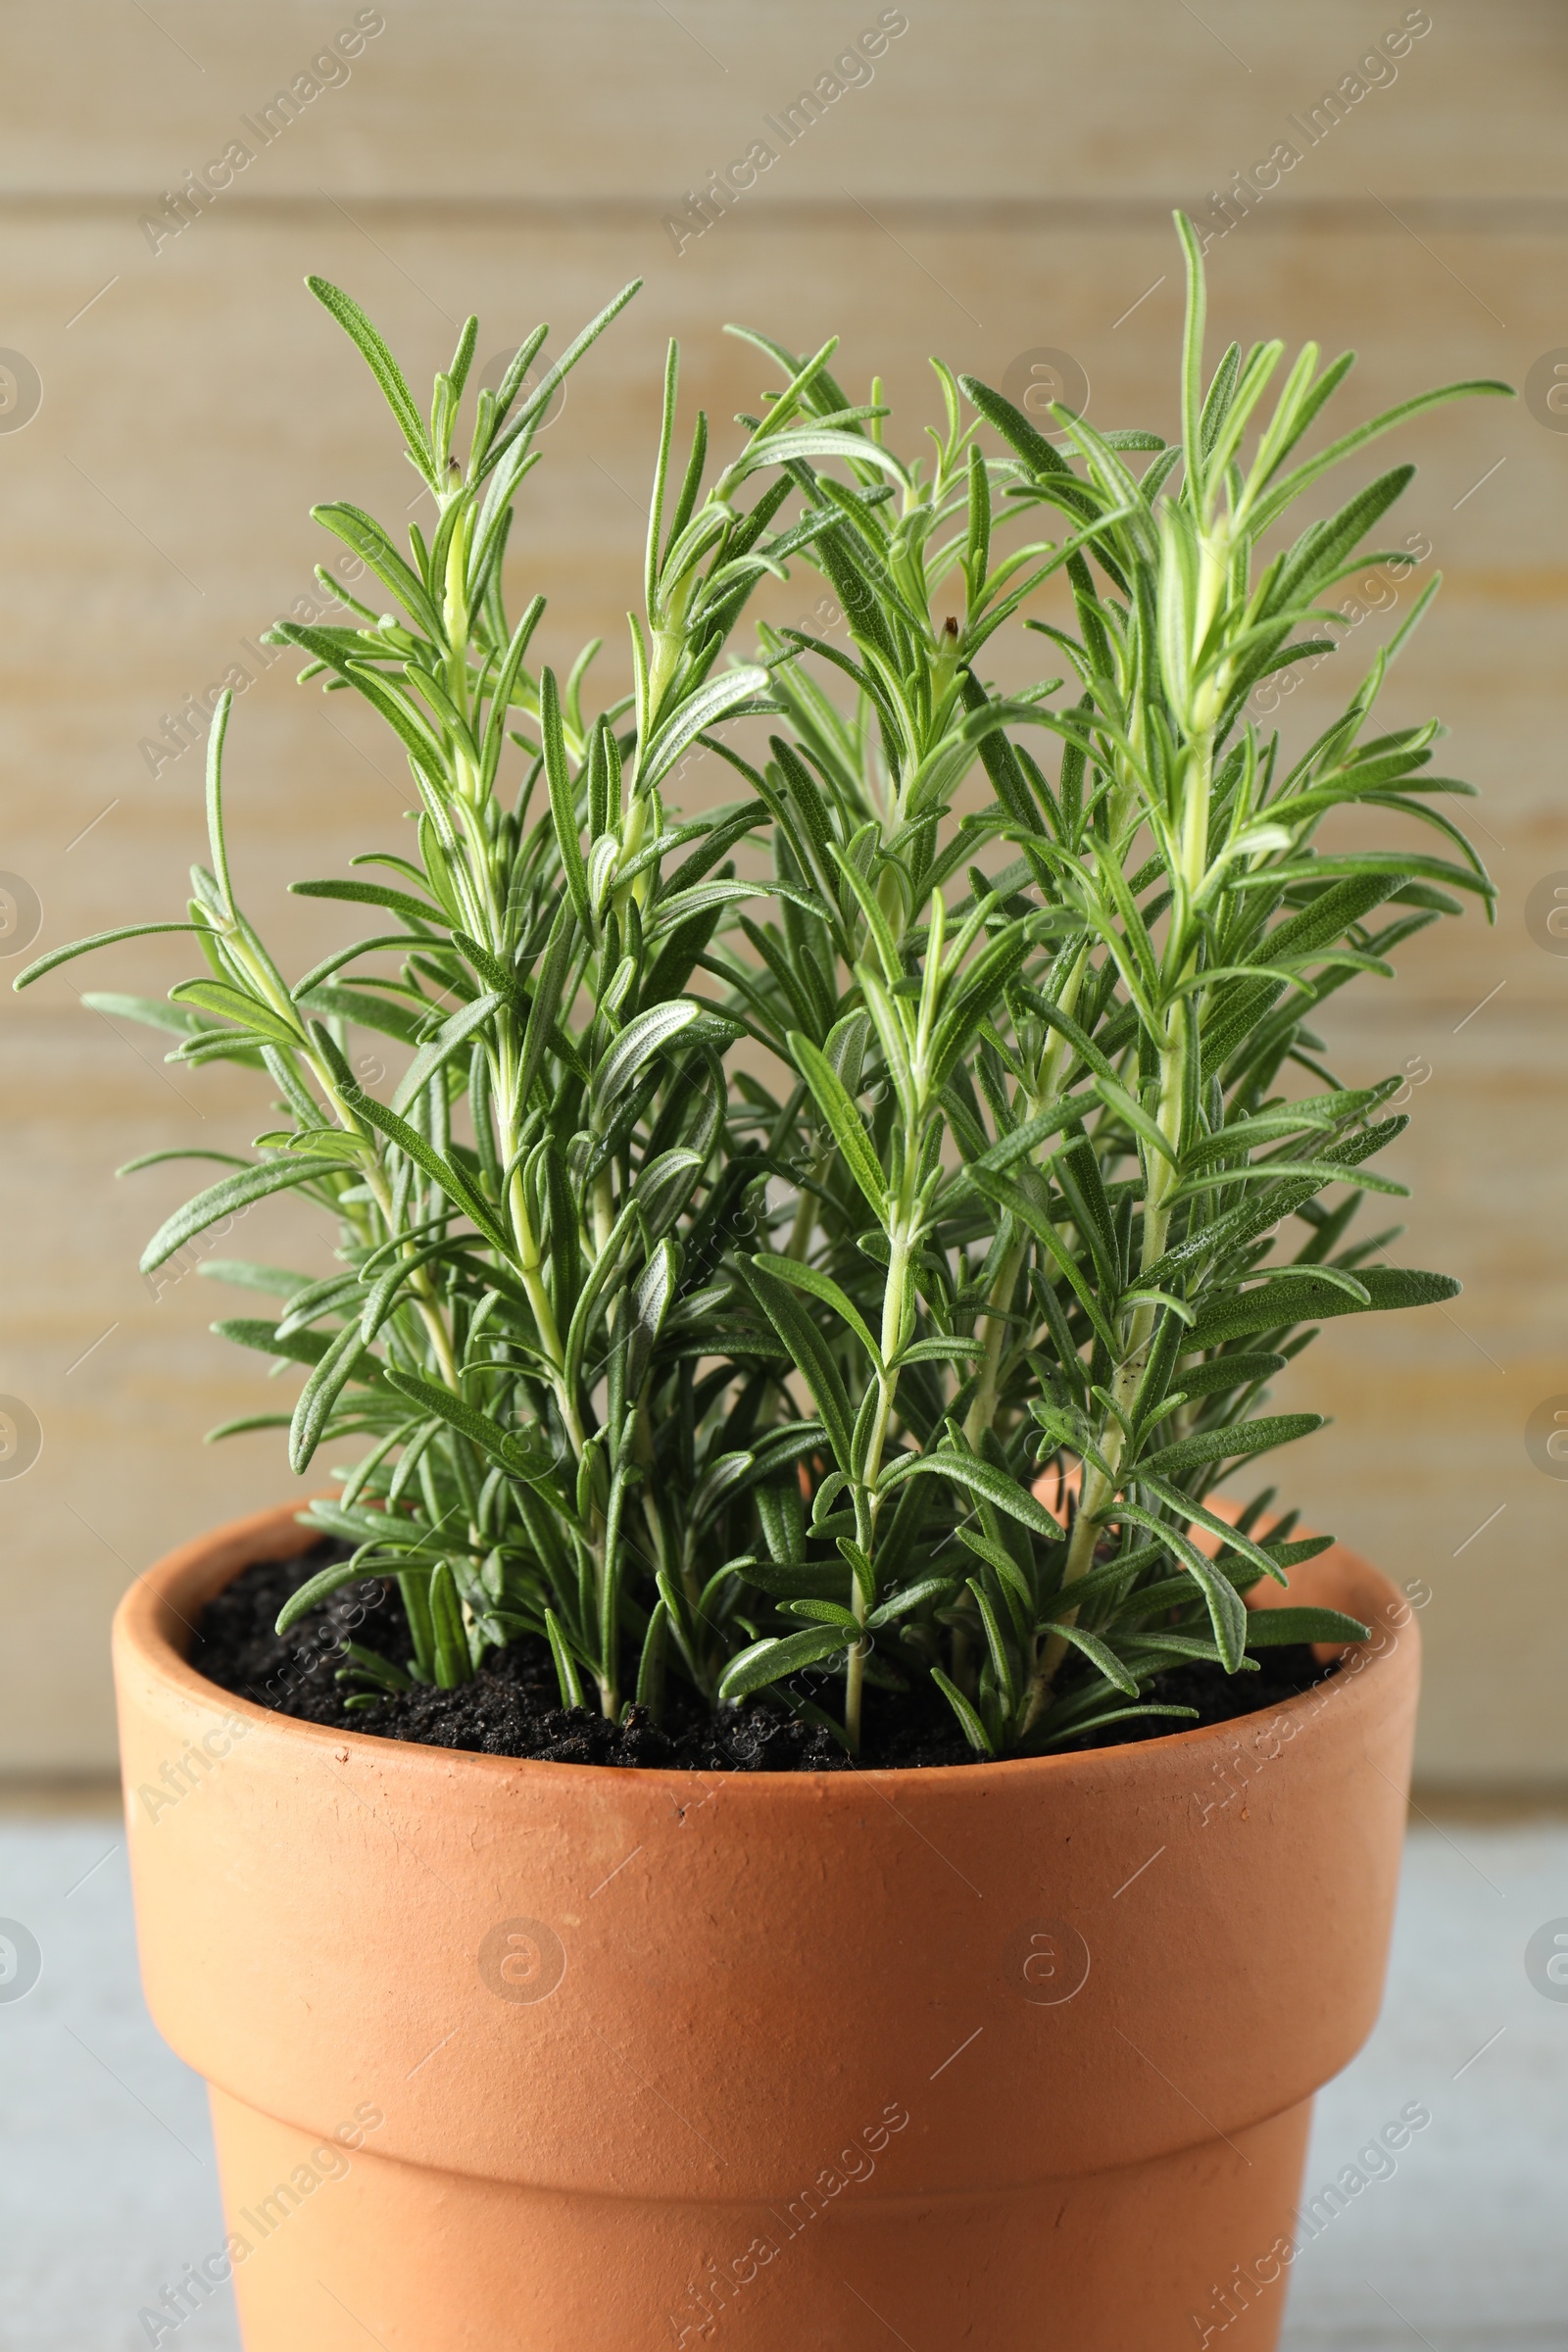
999 183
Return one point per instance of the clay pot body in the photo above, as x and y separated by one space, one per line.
519 2057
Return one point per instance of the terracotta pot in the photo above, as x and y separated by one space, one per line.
520 2057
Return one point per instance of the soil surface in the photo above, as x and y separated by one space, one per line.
512 1706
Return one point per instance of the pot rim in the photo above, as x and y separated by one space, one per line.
144 1628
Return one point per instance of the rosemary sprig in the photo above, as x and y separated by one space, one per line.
732 1254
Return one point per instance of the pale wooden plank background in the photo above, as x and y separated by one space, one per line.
1002 182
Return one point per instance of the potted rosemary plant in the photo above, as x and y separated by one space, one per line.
776 1741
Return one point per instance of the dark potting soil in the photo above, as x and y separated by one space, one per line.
512 1706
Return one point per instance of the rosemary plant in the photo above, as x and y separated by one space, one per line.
734 1255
